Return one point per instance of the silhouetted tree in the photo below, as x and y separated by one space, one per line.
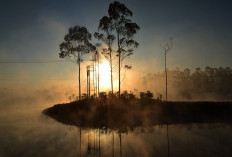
167 47
125 95
103 95
76 44
142 95
131 95
124 30
106 27
147 95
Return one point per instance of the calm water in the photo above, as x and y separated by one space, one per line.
25 131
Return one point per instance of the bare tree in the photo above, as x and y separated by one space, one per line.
167 47
76 44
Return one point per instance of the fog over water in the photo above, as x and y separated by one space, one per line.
25 131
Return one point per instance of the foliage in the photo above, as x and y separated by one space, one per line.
76 44
124 30
124 27
147 95
125 95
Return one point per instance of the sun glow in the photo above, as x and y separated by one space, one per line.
104 72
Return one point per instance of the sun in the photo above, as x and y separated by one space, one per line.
104 72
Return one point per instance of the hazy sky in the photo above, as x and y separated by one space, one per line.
33 30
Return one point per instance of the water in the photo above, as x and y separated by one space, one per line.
26 132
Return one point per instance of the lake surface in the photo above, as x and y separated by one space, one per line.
26 132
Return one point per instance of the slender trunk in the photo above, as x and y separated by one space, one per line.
111 72
111 68
119 67
96 78
166 79
98 73
93 79
89 81
87 78
79 63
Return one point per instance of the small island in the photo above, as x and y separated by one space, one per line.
129 112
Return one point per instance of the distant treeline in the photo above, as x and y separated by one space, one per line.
207 84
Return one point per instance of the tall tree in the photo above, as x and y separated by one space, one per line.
167 47
76 44
124 30
106 27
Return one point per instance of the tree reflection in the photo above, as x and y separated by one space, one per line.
168 140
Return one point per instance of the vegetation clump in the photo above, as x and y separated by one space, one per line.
129 112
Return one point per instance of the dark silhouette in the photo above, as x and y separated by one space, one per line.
167 47
124 30
147 95
76 44
107 37
104 113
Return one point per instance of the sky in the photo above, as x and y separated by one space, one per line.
33 30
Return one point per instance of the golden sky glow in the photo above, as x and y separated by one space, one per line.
104 69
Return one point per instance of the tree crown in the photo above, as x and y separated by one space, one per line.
76 43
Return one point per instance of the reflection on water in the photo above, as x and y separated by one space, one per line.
33 134
168 141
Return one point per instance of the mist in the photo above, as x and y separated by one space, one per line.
209 84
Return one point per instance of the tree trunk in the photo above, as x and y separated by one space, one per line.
119 68
166 79
98 73
93 78
111 72
87 83
79 63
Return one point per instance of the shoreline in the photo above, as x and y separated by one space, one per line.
118 114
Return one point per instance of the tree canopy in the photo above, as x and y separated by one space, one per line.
76 44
